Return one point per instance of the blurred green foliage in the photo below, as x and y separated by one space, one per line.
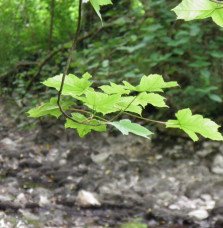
139 37
24 28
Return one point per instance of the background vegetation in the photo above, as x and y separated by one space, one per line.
137 37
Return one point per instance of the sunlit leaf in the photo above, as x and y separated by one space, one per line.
136 103
151 83
151 98
101 102
126 127
129 104
73 85
199 9
114 89
85 125
49 108
193 124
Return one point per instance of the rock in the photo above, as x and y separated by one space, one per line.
4 198
43 201
53 155
207 149
209 203
87 199
217 166
41 196
164 198
21 199
204 152
8 143
199 205
28 215
199 214
5 224
62 162
100 158
174 207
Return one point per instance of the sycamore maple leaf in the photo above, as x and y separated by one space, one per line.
195 124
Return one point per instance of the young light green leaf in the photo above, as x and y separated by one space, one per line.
126 127
135 103
49 108
199 9
151 98
217 16
73 85
151 83
154 83
128 86
85 125
97 4
114 89
101 102
193 124
129 104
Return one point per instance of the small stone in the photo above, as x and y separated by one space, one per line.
206 197
4 198
100 158
8 143
28 215
21 199
204 152
174 207
87 199
6 224
62 162
43 201
217 166
199 214
158 157
209 203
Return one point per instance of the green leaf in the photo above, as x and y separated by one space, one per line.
151 98
114 89
135 103
97 4
73 85
82 128
199 9
192 124
126 127
215 97
133 106
151 83
217 16
49 108
101 102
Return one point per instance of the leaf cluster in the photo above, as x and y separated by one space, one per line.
102 106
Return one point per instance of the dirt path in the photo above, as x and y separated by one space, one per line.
165 183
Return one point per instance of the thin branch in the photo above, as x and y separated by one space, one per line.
123 110
17 67
90 113
73 47
52 54
146 119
